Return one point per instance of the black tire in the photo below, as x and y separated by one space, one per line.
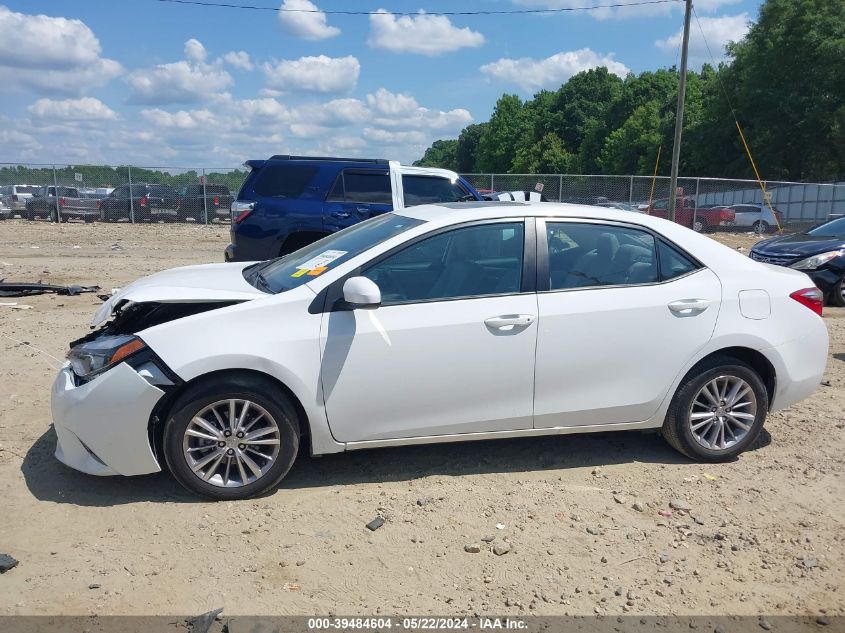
836 297
760 227
676 427
699 225
259 390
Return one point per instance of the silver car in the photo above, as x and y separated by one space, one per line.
14 197
758 217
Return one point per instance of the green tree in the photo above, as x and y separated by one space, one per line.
549 156
508 127
468 147
442 153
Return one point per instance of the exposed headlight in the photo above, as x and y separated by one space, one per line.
816 261
100 354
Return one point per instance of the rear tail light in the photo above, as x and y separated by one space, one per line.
243 215
812 298
727 215
143 201
61 202
99 203
216 201
241 210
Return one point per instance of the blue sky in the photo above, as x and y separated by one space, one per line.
163 84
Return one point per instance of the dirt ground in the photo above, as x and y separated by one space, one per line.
763 534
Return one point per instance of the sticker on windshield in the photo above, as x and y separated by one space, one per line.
321 260
299 273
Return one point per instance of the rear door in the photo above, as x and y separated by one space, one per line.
357 194
746 214
621 312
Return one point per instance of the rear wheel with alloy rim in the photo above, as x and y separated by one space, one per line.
760 227
718 411
699 225
231 438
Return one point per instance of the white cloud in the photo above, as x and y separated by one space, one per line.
183 120
186 81
51 55
195 51
388 103
313 74
84 109
304 20
533 74
718 32
386 137
423 34
238 59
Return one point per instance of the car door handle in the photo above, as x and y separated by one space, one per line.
689 307
342 215
508 322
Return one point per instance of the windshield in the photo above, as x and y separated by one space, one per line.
302 266
834 228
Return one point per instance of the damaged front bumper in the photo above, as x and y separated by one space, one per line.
102 425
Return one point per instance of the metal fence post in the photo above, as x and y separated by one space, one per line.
695 205
492 188
131 202
560 189
631 191
56 196
204 200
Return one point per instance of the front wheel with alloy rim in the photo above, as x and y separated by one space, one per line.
837 293
231 437
718 410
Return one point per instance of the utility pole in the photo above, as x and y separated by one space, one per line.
679 114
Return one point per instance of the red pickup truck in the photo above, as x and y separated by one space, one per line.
698 219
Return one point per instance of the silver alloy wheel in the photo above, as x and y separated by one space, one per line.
231 443
722 412
698 226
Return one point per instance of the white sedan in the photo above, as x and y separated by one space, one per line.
441 323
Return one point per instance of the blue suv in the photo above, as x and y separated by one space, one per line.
287 202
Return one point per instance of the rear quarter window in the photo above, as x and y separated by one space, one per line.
283 181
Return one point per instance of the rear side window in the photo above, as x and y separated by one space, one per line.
284 181
585 255
431 190
365 186
673 263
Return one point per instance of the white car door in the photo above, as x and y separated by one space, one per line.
620 315
451 348
396 183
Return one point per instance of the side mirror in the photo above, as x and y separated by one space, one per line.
361 293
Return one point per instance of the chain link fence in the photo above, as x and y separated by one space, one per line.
124 193
699 200
204 195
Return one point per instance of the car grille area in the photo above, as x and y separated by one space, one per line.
777 260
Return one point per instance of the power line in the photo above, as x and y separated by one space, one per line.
229 5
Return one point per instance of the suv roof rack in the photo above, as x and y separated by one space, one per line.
378 161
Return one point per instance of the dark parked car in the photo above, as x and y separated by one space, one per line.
819 252
287 202
194 201
60 203
148 202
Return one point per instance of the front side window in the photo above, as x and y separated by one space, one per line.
584 255
468 262
432 190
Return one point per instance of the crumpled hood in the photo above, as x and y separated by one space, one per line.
188 284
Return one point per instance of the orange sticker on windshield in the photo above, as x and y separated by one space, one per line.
317 271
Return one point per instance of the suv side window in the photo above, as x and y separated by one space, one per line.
430 189
473 261
284 181
368 186
585 255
